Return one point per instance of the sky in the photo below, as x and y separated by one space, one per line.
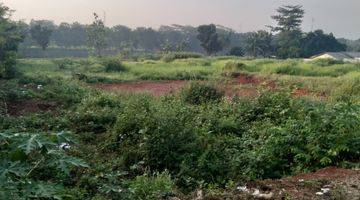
341 17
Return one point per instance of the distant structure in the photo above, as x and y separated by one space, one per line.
344 56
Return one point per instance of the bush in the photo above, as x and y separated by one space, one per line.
198 62
234 66
150 187
236 51
349 90
96 113
199 93
180 55
113 65
64 63
327 62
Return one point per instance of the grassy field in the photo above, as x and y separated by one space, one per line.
75 141
323 76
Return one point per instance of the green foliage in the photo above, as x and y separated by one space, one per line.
209 38
41 34
349 90
234 66
236 51
96 113
10 37
151 187
65 92
64 63
169 57
96 35
26 158
289 19
327 62
317 42
113 65
259 44
198 93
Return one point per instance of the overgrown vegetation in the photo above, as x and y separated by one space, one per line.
61 138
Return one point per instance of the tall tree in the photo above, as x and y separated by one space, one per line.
120 36
289 20
317 42
96 35
10 37
209 39
259 44
41 33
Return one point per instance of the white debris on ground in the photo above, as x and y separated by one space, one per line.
257 194
64 146
39 87
323 191
242 188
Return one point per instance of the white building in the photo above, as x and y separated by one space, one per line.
344 56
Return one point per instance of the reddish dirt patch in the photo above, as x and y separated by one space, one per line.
20 108
166 87
300 92
243 79
306 186
231 88
155 88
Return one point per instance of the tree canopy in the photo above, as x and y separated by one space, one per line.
209 39
10 37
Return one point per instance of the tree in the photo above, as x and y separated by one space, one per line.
317 42
41 34
147 39
10 37
209 39
96 35
259 44
70 35
236 51
289 19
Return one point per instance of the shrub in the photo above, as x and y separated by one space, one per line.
236 51
199 93
180 55
64 63
66 92
198 62
113 65
349 90
234 66
327 62
96 113
150 187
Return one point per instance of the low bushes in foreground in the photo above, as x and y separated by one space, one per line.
186 144
200 93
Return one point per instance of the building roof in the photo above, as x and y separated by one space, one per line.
341 55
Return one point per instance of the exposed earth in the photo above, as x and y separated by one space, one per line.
241 85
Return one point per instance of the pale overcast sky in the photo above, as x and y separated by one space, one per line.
342 17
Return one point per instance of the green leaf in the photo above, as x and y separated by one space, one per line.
31 144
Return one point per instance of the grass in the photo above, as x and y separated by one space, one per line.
321 77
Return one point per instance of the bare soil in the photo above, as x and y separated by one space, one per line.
20 108
241 85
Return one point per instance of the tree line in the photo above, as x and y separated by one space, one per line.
286 40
